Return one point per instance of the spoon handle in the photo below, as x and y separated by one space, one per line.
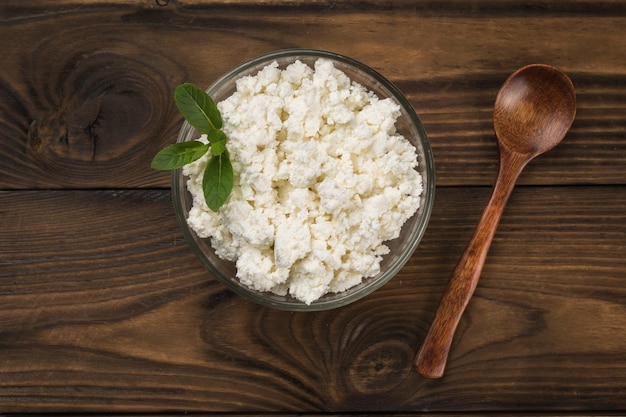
432 356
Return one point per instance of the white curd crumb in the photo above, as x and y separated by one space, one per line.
322 180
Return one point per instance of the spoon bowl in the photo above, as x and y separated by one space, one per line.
533 111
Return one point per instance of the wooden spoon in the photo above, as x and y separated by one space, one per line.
534 109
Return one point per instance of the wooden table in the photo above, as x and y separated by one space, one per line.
104 307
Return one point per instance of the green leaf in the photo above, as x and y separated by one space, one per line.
179 154
202 113
217 182
198 108
217 138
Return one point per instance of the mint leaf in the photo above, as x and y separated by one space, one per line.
202 113
217 139
198 108
217 182
179 154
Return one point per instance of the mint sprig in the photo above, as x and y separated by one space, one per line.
202 113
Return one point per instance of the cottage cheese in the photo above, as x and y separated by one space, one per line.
322 179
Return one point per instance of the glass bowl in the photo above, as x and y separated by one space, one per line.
401 249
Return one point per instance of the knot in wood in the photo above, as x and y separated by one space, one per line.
102 102
62 135
380 366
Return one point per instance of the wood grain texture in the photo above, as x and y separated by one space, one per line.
104 308
102 312
86 86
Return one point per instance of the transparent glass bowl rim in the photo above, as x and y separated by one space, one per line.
371 284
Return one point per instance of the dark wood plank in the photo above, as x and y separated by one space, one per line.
103 308
85 91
